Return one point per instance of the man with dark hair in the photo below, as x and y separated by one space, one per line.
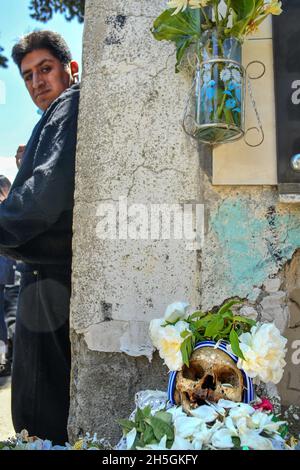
5 186
36 228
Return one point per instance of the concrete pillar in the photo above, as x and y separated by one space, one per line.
132 156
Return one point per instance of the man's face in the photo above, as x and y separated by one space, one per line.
45 77
3 193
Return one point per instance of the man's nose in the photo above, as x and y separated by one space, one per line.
37 80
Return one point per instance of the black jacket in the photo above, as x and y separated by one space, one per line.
36 218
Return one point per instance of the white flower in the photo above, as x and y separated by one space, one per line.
237 78
206 413
162 445
181 444
187 427
176 311
198 3
255 441
227 403
222 439
225 75
264 351
154 331
263 422
230 426
273 8
241 411
180 5
130 438
168 341
204 436
176 412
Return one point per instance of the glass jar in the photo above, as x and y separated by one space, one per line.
220 89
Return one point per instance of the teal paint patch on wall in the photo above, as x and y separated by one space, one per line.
253 243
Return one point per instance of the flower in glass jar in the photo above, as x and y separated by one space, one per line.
230 104
206 76
225 75
210 90
273 8
236 75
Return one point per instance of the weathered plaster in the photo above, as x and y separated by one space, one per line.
131 144
250 237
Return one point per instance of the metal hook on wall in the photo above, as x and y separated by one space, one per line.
259 129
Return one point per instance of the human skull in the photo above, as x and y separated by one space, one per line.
211 375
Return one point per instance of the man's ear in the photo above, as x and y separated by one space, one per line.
74 70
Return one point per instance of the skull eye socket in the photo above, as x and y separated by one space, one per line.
194 372
226 375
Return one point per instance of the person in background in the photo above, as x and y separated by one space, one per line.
36 228
19 155
7 276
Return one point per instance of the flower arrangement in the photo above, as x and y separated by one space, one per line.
214 31
260 347
185 21
223 425
23 441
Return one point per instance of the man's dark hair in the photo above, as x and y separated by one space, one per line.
5 185
42 40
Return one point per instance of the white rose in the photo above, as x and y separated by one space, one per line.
168 340
155 331
176 311
264 351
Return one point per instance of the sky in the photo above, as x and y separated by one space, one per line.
18 114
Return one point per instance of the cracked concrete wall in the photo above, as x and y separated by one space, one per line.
131 150
131 145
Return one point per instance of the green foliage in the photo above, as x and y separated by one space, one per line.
222 325
187 346
242 17
3 60
150 429
183 29
43 10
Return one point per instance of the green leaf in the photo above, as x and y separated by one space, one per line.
245 12
139 421
227 306
197 314
235 344
240 319
214 326
161 429
236 442
126 425
182 28
164 416
186 349
226 331
146 411
181 46
149 436
228 314
185 333
243 8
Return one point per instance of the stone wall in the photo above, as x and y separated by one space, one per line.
131 146
132 156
